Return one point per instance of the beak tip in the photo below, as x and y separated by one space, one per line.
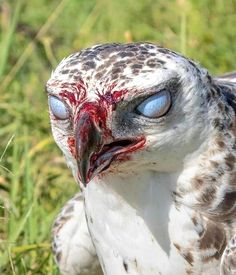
88 137
83 179
84 183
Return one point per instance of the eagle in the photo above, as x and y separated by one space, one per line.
150 138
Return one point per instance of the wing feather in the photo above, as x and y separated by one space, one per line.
73 249
228 261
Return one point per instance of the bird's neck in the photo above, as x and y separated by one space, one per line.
141 188
150 193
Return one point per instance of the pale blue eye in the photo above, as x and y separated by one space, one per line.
58 108
156 105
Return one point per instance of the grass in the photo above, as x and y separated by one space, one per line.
34 37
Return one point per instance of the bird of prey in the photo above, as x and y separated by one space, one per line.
150 137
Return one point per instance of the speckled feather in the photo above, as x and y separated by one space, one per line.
71 238
180 189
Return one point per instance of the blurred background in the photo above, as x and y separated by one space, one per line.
34 37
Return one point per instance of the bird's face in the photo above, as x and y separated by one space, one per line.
123 108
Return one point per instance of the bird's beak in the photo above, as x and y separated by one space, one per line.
88 140
92 153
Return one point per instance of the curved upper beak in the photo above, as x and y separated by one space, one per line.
92 153
88 140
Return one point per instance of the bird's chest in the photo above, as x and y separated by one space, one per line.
128 241
123 241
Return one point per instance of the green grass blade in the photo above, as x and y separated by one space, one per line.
9 37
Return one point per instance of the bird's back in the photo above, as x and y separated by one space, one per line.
227 83
228 77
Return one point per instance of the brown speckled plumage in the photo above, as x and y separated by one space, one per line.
194 141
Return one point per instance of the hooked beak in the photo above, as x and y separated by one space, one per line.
93 155
88 140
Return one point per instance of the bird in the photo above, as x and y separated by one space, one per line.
150 138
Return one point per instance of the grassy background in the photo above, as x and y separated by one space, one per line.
34 37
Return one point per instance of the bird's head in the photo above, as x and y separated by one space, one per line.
120 108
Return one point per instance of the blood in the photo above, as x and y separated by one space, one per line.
97 113
71 145
111 98
130 149
75 93
110 155
99 110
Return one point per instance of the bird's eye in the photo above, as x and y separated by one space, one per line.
156 105
58 108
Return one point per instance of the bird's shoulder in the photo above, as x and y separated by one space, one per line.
228 262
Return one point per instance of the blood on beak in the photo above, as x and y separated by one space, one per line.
92 153
88 139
